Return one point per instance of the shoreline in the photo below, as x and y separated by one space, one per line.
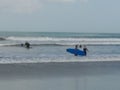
84 60
46 70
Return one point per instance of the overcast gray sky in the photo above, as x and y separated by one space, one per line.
60 15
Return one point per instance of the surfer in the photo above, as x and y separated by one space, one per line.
85 50
80 46
76 47
27 44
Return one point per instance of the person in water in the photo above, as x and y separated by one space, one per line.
27 44
80 46
85 50
76 47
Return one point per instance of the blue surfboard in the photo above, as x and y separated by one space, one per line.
76 51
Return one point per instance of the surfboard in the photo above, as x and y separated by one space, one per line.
76 51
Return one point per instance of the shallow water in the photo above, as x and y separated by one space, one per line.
56 53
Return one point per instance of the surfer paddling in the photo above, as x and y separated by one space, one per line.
27 44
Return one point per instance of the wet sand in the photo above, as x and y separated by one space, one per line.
60 76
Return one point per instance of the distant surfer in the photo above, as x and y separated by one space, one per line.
80 46
85 50
76 51
76 48
27 45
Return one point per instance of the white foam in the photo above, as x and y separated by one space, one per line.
68 41
62 39
85 60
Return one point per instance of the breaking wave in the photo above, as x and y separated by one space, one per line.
39 41
61 39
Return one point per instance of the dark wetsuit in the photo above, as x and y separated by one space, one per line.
85 50
76 47
27 45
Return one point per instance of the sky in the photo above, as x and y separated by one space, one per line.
60 15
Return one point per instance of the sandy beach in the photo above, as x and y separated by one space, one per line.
57 76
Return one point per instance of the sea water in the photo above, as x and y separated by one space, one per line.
51 46
47 65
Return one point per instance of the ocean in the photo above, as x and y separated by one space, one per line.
51 47
47 65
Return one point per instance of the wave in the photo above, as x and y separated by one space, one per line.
60 44
60 39
2 38
34 44
37 60
49 41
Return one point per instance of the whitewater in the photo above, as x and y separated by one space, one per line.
47 65
50 47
